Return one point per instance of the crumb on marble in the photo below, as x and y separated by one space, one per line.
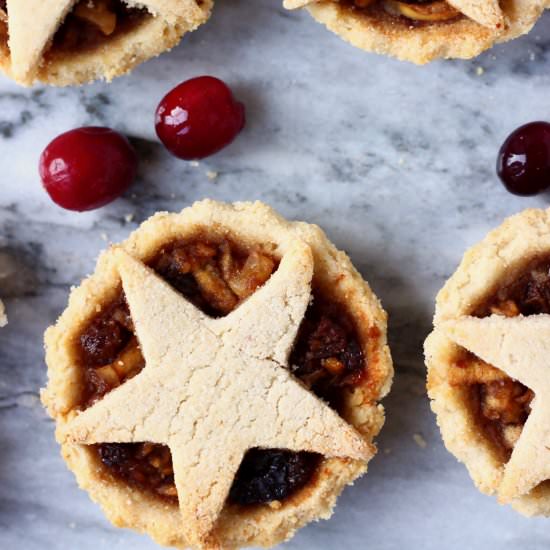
128 218
479 70
211 175
420 441
194 163
3 316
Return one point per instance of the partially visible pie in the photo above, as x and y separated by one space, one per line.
65 42
488 361
423 30
216 382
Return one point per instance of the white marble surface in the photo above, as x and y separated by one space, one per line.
395 162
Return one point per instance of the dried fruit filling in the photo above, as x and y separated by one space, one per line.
91 21
415 11
216 276
502 405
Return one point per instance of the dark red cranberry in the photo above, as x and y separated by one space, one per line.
523 162
198 118
87 167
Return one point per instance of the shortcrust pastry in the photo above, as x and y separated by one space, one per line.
4 272
488 362
216 382
423 30
65 42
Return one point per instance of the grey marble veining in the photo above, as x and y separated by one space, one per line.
396 162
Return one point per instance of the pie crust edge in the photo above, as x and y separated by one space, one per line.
246 222
498 259
462 39
121 54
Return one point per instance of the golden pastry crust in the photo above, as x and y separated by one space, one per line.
247 223
158 32
495 262
151 39
377 31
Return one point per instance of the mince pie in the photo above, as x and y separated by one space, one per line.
423 30
64 42
488 361
216 382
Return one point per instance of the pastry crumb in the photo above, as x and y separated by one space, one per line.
211 175
479 70
104 237
129 218
194 163
3 317
420 441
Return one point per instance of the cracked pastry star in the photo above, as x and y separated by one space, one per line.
520 347
214 388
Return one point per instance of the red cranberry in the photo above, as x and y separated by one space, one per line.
87 167
523 162
198 118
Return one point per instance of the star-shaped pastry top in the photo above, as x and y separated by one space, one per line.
214 388
32 25
487 13
520 347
